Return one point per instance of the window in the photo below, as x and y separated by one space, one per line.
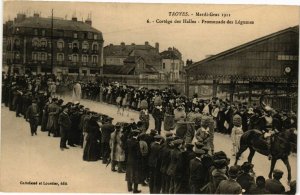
43 57
34 56
95 36
73 70
60 44
43 43
17 55
95 59
70 45
95 46
35 32
84 58
35 42
75 58
43 32
85 45
85 35
75 45
75 35
17 42
60 57
164 65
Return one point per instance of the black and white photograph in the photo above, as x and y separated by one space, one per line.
151 98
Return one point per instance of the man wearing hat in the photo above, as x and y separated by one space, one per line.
107 128
154 163
165 161
274 185
245 179
196 180
230 186
134 174
175 169
53 112
32 116
65 125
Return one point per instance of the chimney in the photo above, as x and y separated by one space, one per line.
74 18
133 44
88 21
157 46
36 15
146 43
111 44
122 44
170 49
20 17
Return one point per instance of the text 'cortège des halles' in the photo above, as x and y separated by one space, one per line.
200 18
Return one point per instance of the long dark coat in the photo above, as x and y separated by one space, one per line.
134 173
92 147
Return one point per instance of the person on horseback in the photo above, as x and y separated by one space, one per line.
267 130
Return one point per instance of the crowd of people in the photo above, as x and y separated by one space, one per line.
180 160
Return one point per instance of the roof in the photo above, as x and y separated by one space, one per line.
151 58
243 46
132 59
61 24
112 69
169 54
123 50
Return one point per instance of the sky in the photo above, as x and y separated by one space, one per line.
127 22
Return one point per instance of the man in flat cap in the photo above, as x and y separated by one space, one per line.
274 185
165 161
230 186
246 179
65 125
175 169
196 180
32 116
154 163
134 174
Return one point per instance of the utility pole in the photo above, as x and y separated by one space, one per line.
52 70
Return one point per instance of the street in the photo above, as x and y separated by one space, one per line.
38 159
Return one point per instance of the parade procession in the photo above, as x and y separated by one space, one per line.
131 119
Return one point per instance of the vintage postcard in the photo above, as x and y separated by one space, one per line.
149 98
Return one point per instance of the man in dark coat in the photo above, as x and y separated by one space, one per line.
32 116
175 169
230 186
107 128
134 175
165 161
274 185
260 187
154 163
245 179
196 180
158 116
65 125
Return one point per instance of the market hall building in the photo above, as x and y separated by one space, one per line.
77 47
266 65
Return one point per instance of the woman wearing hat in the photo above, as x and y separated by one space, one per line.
92 147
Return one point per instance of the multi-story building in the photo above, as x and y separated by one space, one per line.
172 64
60 46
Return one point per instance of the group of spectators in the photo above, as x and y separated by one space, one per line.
172 163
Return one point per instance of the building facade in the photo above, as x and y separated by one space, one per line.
172 64
45 45
266 65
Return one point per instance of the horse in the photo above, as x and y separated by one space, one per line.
280 147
